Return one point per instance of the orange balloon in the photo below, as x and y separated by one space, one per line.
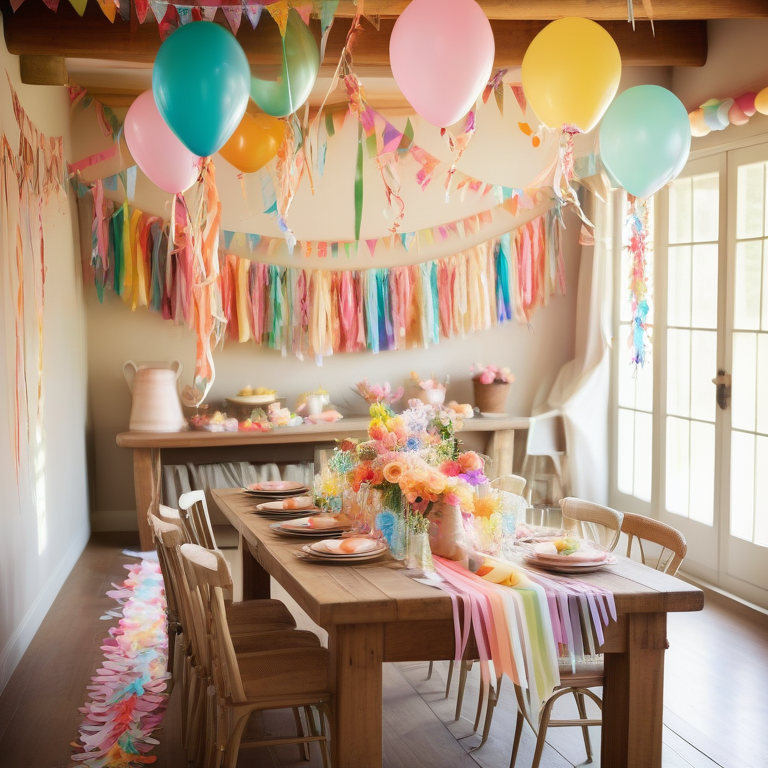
254 143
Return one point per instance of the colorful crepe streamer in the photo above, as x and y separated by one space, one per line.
128 692
317 312
637 245
524 623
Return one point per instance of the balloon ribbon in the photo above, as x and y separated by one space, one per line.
637 226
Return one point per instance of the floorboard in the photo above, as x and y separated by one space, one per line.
715 714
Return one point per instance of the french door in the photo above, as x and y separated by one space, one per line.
702 459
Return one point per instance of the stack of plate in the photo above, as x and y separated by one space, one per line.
274 490
349 551
277 510
584 560
312 527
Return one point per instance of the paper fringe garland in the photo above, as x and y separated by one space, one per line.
30 176
319 312
523 630
637 244
128 694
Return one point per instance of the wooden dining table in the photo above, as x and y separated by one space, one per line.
375 613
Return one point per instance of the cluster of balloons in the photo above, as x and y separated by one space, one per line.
571 73
201 85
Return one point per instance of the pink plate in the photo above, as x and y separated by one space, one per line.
277 485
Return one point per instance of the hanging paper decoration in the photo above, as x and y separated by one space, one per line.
278 10
319 312
109 9
30 176
637 244
128 697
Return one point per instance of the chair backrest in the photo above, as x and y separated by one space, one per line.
511 483
169 539
546 435
193 509
213 577
671 541
592 521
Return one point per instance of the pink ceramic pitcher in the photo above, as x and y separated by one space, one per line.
156 405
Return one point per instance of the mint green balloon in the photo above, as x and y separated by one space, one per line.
200 83
645 138
280 89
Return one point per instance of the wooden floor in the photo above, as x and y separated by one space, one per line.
715 715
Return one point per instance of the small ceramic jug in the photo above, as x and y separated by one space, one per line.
156 405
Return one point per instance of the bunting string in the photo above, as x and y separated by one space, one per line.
319 312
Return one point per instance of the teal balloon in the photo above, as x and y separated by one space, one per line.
200 82
283 88
645 138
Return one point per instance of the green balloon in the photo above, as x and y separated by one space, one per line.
645 138
280 90
200 84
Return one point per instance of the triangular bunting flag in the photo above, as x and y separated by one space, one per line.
253 12
79 5
185 14
16 4
234 15
52 4
170 22
158 9
227 234
322 250
279 12
209 12
197 13
142 8
372 246
305 11
327 10
253 241
517 89
124 6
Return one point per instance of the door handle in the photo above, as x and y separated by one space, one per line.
723 383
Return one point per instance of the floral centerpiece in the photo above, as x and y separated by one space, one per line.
414 462
378 393
491 385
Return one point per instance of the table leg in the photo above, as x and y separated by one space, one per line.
501 451
146 485
633 695
256 584
357 653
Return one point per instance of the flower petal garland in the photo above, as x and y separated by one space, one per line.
128 696
637 225
319 312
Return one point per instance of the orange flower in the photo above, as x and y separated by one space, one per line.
470 461
377 430
435 483
394 471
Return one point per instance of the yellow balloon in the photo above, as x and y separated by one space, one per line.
571 72
761 102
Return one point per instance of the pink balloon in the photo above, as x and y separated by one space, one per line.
441 52
155 148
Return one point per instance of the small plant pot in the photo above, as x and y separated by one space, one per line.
491 398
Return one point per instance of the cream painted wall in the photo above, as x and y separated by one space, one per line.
38 547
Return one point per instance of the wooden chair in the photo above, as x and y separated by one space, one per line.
193 510
511 483
544 452
673 546
271 677
592 521
591 674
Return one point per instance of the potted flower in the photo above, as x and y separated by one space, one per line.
431 391
491 385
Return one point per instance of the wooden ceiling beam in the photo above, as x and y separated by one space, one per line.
599 10
34 31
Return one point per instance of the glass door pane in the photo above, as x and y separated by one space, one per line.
691 346
746 544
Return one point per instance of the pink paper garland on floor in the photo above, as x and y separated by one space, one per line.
128 694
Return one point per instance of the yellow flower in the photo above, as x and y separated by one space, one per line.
485 506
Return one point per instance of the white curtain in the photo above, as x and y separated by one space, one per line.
581 389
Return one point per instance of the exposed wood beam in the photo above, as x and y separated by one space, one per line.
43 70
34 31
599 10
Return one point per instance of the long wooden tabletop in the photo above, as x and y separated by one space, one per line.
380 592
356 426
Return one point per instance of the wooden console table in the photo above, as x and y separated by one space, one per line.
149 449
